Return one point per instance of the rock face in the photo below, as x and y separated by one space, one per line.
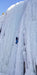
20 20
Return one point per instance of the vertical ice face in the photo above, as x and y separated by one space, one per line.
11 28
31 31
34 29
34 9
20 18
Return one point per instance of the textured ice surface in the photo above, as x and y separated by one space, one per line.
20 21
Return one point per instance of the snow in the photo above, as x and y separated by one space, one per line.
20 20
12 6
8 48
